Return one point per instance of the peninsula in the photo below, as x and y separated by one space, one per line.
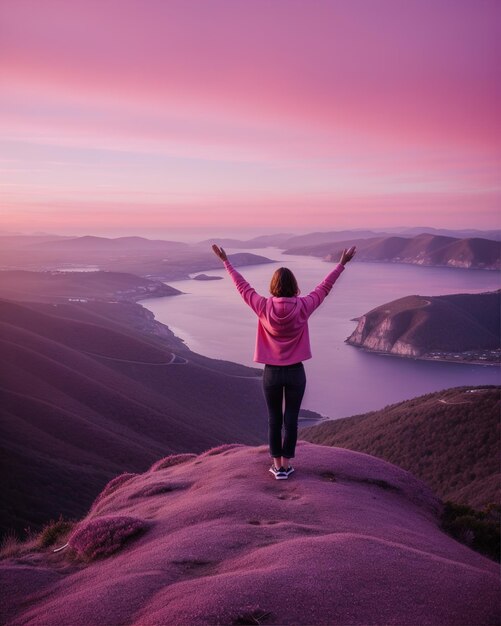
463 328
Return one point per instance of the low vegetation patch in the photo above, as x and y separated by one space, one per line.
112 486
220 449
11 545
479 530
169 461
55 532
103 536
158 489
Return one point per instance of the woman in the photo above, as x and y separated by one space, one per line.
282 343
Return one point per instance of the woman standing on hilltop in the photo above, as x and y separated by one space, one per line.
282 344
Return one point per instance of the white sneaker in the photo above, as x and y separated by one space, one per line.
279 473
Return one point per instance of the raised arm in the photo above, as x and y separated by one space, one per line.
315 298
248 293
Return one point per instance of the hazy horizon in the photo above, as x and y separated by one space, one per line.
191 235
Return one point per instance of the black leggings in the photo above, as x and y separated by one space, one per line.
281 381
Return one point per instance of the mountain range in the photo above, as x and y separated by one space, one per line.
424 249
286 240
155 259
171 260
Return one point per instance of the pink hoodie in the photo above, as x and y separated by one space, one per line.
282 331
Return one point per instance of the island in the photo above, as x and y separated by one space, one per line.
206 277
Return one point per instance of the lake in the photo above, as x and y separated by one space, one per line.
342 380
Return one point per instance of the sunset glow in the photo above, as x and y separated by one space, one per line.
126 116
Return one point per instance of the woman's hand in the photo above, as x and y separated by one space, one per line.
220 252
347 255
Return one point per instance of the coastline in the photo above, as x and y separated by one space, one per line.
427 358
203 324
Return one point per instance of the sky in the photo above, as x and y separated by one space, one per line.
147 116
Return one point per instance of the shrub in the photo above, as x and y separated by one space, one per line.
173 459
220 449
158 489
477 529
102 536
10 545
54 531
112 486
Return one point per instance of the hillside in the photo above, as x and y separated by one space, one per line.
64 286
286 241
263 241
93 389
24 241
91 243
450 439
424 249
465 233
459 327
329 237
214 539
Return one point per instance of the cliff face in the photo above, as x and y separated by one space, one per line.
215 539
381 336
419 326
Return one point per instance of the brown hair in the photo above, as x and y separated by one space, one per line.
284 284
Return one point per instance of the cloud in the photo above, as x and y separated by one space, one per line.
242 100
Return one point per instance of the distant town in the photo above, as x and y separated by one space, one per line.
489 357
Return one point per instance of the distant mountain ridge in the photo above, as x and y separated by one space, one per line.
153 259
262 241
322 237
424 249
93 243
450 439
464 327
286 241
463 233
172 260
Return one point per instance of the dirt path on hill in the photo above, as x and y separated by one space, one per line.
174 360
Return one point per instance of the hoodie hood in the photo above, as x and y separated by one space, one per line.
282 313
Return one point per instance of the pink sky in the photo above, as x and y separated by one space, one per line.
124 115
